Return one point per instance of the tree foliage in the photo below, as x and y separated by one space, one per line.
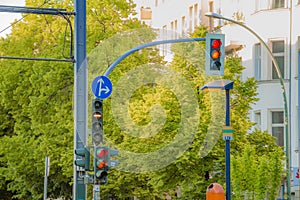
36 97
257 172
36 111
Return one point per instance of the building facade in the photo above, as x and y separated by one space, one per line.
277 23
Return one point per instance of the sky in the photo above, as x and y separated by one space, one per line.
7 18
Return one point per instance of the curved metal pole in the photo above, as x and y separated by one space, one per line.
215 15
122 57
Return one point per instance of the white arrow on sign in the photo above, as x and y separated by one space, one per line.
105 89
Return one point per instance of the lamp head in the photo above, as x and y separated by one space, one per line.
214 15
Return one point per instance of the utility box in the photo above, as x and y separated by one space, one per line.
215 192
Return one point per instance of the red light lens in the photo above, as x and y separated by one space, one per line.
102 153
216 44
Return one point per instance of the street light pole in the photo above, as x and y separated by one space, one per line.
288 179
227 147
226 85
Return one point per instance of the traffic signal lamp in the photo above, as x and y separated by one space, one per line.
215 53
101 164
84 161
112 163
97 121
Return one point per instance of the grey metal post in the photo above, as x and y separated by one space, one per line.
80 94
47 168
96 192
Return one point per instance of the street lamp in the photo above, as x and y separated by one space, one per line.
288 179
227 131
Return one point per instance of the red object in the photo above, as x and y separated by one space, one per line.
102 153
215 191
216 44
297 174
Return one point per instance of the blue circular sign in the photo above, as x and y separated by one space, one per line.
102 87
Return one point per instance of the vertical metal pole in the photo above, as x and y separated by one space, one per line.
46 176
227 148
80 94
299 115
96 192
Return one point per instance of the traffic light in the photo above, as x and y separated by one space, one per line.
112 163
215 53
97 121
84 161
101 164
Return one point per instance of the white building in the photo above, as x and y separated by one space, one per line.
277 23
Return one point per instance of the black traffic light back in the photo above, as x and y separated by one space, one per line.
84 161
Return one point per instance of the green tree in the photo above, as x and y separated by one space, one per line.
36 97
189 171
257 172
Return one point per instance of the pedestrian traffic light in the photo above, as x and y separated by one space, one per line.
97 121
112 163
84 161
215 53
101 164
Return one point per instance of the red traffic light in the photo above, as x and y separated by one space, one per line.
216 44
102 157
102 153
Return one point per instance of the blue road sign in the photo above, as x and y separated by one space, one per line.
102 87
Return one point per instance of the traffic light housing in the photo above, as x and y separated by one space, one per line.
101 164
97 121
215 54
112 163
84 161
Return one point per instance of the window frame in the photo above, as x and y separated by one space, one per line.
274 3
269 4
257 61
257 119
277 125
273 74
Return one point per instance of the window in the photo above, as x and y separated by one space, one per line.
176 28
191 19
278 4
278 126
257 120
164 32
269 4
211 21
261 5
195 15
183 25
257 61
278 53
